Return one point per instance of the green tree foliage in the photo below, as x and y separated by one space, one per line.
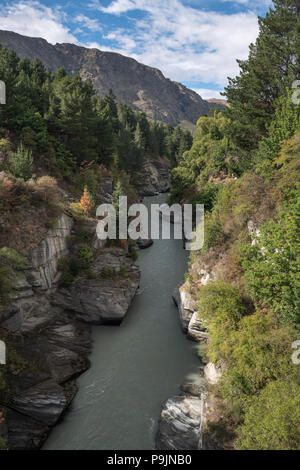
272 420
20 163
283 126
273 264
259 353
271 68
220 308
66 125
210 155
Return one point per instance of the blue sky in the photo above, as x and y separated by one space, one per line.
195 42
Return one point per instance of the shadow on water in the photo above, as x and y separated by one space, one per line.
135 367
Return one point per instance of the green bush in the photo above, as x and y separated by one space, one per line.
260 352
3 444
273 264
272 420
20 163
220 309
85 255
108 273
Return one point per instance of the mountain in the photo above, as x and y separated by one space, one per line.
143 88
218 101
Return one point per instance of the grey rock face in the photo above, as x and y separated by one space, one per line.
156 178
143 88
102 301
44 402
45 257
180 426
196 330
186 306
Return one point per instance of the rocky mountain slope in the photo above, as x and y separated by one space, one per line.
143 88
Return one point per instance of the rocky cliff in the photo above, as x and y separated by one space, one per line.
143 88
47 334
185 422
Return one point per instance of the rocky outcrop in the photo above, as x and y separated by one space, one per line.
51 340
196 330
156 177
187 306
185 422
143 88
181 423
102 301
212 373
44 258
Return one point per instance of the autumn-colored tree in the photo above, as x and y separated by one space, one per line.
86 202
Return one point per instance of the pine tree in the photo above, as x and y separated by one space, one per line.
139 138
270 69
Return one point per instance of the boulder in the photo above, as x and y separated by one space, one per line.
180 425
143 244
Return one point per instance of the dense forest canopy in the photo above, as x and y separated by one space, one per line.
65 124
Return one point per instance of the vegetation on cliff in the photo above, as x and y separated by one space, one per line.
244 166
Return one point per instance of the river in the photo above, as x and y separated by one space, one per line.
136 367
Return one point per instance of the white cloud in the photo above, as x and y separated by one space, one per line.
206 93
88 23
30 18
187 44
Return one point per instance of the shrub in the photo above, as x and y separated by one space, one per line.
76 210
85 255
220 309
20 163
133 253
272 420
48 188
8 195
108 273
260 352
3 444
273 264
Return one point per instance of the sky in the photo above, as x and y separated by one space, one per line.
195 42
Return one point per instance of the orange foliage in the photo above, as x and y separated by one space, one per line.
86 203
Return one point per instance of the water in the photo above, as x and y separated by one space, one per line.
135 367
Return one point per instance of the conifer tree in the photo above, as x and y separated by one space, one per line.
271 68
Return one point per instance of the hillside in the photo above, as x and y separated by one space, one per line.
143 88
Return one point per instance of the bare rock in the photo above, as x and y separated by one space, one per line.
212 373
196 330
143 244
180 426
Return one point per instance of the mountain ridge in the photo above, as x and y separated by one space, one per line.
142 87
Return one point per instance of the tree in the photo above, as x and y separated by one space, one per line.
273 264
139 138
220 309
272 420
271 67
21 163
86 202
